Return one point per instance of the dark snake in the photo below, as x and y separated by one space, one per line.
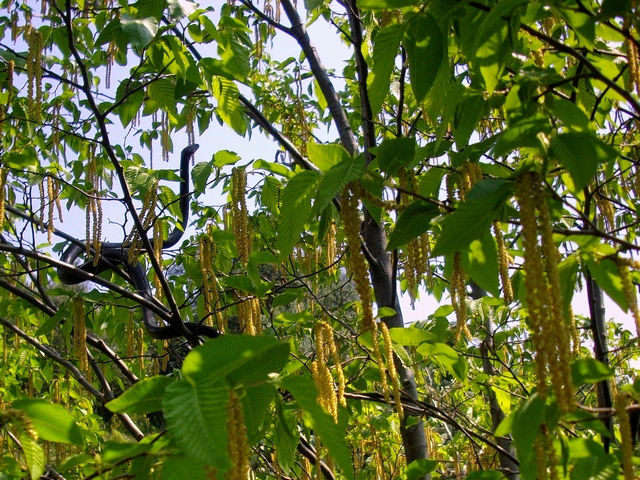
114 255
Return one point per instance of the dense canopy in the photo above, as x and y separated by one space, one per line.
239 310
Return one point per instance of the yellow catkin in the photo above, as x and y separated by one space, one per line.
206 269
357 264
140 350
391 368
551 336
327 398
237 444
560 362
377 354
337 365
34 75
256 315
80 335
535 283
503 264
239 216
633 59
626 440
157 253
50 210
607 211
459 297
147 217
130 331
165 138
3 182
629 289
331 248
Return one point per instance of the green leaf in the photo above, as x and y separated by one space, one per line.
466 118
581 153
589 370
229 108
447 358
140 30
150 8
200 174
325 156
34 455
523 133
51 421
412 222
425 48
419 468
274 168
333 435
526 424
129 109
295 210
386 4
410 337
333 181
179 467
583 24
202 404
386 45
236 360
606 274
474 217
485 475
239 282
480 261
613 8
600 467
143 397
395 153
223 158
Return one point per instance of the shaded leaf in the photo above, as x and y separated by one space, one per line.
143 397
424 44
295 210
202 404
474 217
305 393
395 153
34 454
581 153
333 181
140 30
386 45
412 222
51 421
589 370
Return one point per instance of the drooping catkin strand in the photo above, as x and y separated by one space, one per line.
325 348
206 269
51 205
560 362
377 354
130 331
458 291
357 264
391 368
147 218
331 248
34 75
535 283
503 264
551 336
3 183
239 216
633 59
626 439
80 334
165 139
237 444
607 211
628 288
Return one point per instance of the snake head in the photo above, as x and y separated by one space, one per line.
190 150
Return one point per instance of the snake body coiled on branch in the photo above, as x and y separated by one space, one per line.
114 255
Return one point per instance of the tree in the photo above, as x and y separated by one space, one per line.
481 153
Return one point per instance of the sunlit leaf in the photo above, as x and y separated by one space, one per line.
51 421
143 397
